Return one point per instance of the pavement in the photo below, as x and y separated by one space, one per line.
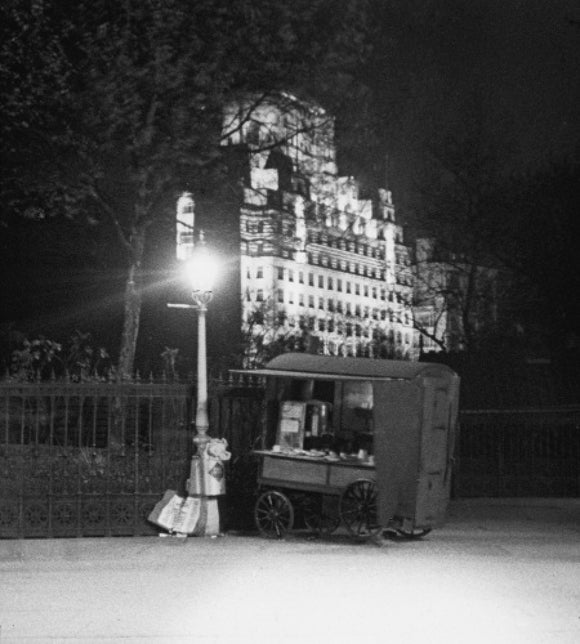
499 570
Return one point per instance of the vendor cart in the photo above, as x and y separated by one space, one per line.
364 443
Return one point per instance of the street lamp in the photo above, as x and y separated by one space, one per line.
200 271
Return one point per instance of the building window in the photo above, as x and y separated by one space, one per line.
310 279
290 275
339 307
300 299
260 272
290 297
366 290
280 295
321 325
311 301
348 308
357 288
320 281
339 285
348 287
260 227
321 303
280 273
383 295
260 295
248 273
330 284
301 277
357 310
331 326
374 292
331 305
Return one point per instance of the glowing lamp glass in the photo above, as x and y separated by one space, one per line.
201 270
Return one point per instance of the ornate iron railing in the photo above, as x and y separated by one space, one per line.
88 459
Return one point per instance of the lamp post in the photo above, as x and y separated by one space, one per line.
207 478
200 271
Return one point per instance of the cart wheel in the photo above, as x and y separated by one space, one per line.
317 517
413 534
274 514
358 509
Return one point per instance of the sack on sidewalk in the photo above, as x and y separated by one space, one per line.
190 515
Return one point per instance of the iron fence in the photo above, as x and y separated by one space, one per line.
81 459
519 452
88 459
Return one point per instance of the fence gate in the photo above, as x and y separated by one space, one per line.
89 459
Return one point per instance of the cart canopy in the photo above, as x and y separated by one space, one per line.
304 365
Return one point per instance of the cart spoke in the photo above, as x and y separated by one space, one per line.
358 509
274 514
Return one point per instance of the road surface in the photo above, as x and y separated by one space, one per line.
498 571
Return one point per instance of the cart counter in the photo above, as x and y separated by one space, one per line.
311 473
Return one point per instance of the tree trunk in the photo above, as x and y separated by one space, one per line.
132 313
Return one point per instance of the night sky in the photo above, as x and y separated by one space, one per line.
513 65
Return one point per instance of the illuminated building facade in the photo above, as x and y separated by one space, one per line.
320 267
